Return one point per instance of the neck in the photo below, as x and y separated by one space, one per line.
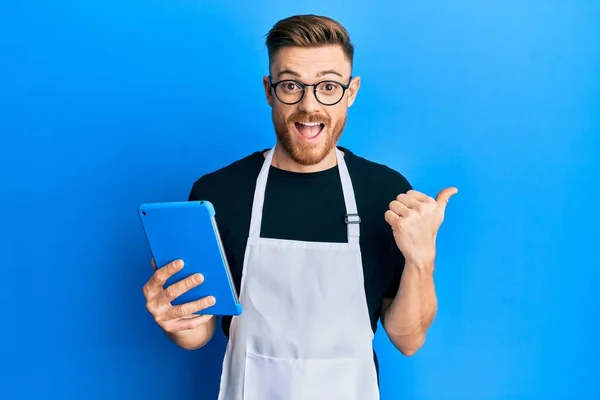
282 160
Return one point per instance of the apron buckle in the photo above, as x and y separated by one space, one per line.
352 219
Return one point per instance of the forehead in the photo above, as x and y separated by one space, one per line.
310 63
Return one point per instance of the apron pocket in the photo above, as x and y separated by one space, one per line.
268 378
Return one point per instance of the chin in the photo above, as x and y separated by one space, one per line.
308 151
308 140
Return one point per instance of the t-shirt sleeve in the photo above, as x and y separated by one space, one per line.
396 259
192 196
198 190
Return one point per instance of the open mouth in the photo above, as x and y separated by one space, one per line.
309 130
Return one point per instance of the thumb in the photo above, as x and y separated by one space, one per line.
443 197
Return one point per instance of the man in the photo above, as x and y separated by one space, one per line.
322 242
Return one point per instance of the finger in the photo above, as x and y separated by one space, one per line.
153 264
408 200
444 195
392 218
178 288
399 208
157 281
190 308
418 195
178 325
442 199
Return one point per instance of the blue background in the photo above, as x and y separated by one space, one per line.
108 104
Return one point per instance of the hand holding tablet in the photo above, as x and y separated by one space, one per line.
158 299
193 275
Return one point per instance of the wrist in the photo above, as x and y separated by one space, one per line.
422 263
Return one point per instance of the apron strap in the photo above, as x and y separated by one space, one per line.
259 196
352 218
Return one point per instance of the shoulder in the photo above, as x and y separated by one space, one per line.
228 179
372 175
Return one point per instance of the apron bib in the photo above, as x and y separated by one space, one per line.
305 332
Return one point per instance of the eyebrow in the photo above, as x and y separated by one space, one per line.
320 74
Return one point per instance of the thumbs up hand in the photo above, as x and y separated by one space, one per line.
415 219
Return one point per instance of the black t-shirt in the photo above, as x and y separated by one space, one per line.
310 207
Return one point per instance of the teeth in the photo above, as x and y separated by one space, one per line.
310 123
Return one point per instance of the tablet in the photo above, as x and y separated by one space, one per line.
188 231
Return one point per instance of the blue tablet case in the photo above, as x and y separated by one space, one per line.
188 231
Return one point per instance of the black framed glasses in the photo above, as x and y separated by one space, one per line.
291 91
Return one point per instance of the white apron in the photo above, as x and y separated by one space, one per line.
305 332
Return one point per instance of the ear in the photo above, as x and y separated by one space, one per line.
353 90
268 91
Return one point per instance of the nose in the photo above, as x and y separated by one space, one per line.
309 102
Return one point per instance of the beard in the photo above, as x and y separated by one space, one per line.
306 153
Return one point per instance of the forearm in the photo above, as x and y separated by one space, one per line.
196 338
410 315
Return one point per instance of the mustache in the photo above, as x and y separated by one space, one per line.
304 117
